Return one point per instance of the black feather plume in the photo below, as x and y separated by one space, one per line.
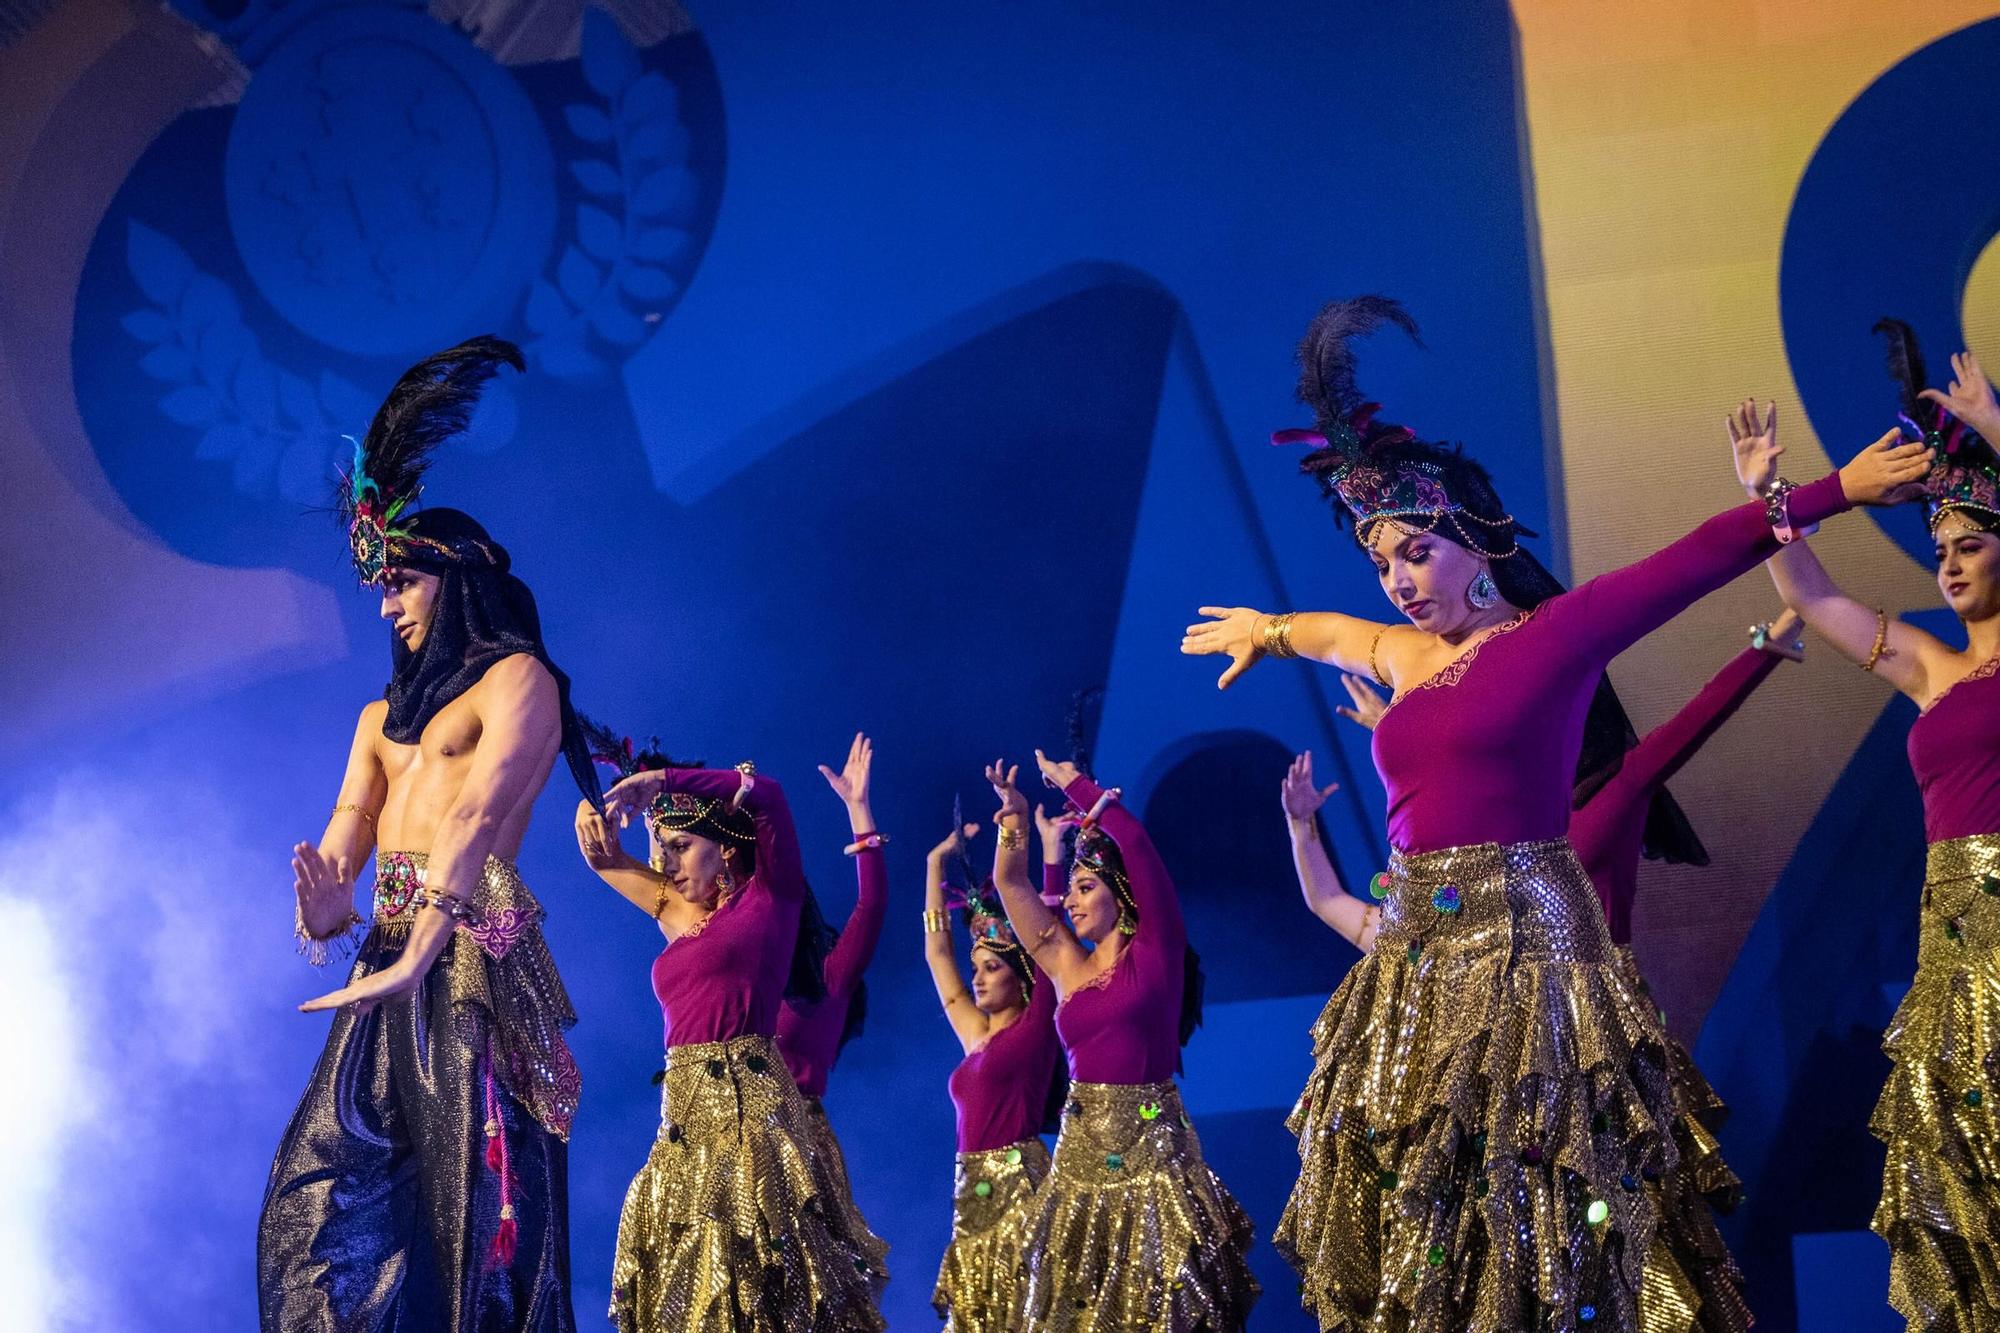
1080 728
429 405
1906 367
606 746
1326 360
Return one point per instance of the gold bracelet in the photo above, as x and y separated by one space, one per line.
936 922
1374 667
1012 839
1881 648
356 810
1277 636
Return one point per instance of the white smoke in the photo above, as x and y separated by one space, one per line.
146 976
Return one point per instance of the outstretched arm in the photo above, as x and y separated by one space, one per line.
1246 636
1899 653
520 727
1610 613
1326 897
967 1023
1662 752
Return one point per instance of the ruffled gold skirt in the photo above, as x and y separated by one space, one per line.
824 1144
1489 1106
735 1223
1131 1230
1692 1281
980 1282
1940 1207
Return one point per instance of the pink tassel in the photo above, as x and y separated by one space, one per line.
501 1252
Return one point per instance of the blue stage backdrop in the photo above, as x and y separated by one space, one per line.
892 369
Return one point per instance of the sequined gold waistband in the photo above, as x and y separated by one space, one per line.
1538 891
1962 892
699 1070
502 906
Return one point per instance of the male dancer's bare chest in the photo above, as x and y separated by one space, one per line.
426 779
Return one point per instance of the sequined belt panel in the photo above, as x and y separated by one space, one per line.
505 988
1962 894
987 1185
1477 896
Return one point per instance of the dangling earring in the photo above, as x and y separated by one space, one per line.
1483 593
723 884
1127 923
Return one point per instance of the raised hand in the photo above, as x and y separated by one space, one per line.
325 890
1785 636
633 796
1002 779
1299 796
597 840
1970 397
1050 827
851 783
1753 438
940 853
1368 704
1887 472
1230 630
1057 775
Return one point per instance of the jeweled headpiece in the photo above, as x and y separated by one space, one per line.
683 812
1097 853
1965 474
428 406
1377 470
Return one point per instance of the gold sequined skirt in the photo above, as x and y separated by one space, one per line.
980 1283
826 1146
1692 1281
735 1224
1131 1230
1940 1206
1489 1104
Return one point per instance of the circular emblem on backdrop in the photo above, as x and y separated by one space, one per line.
1888 219
387 184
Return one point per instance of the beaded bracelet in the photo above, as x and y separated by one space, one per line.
1881 648
457 908
355 809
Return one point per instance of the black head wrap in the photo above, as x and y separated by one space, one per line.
1376 471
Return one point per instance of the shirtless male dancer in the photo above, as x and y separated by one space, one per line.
421 1184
